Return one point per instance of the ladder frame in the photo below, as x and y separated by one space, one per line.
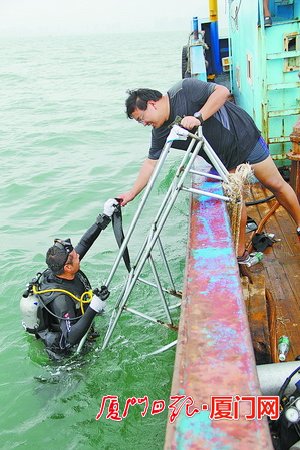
198 143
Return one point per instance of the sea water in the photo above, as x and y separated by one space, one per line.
67 146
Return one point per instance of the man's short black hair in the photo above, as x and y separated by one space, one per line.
56 259
138 98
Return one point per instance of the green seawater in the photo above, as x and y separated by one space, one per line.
67 146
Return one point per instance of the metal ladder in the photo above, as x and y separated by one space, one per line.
198 142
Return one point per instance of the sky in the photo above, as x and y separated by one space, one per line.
40 17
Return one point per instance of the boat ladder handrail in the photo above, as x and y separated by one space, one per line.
197 144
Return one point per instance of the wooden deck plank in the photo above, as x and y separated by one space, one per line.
258 319
281 267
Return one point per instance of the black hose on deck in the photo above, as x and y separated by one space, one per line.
262 200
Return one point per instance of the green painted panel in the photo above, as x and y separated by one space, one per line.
265 68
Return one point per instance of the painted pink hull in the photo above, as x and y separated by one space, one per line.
214 352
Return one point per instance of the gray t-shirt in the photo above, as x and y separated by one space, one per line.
231 132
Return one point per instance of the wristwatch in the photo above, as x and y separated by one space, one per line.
198 116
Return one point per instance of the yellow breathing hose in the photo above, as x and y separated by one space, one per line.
81 300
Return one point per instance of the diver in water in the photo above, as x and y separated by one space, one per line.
59 306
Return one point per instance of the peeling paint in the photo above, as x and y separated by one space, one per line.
214 352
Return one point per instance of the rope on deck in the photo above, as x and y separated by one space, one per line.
238 185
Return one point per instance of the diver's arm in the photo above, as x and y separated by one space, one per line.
72 331
79 329
91 235
93 232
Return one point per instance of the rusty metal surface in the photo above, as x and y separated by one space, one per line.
294 156
214 353
295 138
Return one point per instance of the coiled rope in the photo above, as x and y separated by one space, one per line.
236 187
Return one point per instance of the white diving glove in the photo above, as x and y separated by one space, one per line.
110 206
97 304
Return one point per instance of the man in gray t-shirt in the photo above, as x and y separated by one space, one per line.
229 129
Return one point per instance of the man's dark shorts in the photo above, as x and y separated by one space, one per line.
259 153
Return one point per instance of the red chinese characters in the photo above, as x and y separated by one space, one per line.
225 407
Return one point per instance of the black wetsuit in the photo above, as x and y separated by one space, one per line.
231 132
59 335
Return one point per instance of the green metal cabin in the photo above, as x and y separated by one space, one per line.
265 64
